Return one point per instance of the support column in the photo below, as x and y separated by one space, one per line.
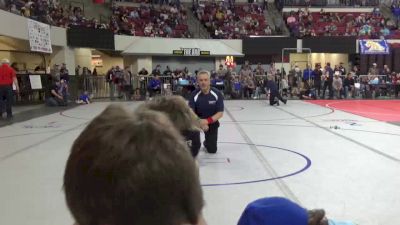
64 55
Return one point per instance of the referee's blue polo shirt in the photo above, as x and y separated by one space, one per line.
206 105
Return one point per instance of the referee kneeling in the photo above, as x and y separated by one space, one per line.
208 104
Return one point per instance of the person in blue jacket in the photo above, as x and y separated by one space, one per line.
155 86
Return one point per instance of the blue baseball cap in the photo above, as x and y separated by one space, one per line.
274 211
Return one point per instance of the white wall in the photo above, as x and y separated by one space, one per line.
323 58
145 62
122 42
83 57
108 62
166 46
18 28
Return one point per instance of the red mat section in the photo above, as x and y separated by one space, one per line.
382 110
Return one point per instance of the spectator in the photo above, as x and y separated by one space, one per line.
285 86
328 79
77 70
111 79
396 82
355 71
143 72
55 73
57 95
342 69
221 72
127 83
386 71
155 86
249 87
282 211
317 74
348 86
156 71
259 70
373 70
167 71
236 89
94 72
245 71
139 153
64 74
119 80
337 86
84 98
307 74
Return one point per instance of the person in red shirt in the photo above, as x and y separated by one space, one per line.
7 79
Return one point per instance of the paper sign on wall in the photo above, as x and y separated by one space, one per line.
36 82
39 36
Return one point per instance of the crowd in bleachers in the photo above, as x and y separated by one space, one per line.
224 20
304 23
146 20
395 7
51 12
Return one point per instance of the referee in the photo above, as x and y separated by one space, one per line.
208 104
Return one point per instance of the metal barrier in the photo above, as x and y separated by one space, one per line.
28 95
97 86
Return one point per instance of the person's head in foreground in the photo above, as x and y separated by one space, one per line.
282 211
132 169
176 108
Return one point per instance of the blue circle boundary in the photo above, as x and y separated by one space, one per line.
307 166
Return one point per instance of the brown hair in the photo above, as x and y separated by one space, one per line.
132 169
176 108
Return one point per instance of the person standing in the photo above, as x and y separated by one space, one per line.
111 82
208 104
317 74
7 79
328 81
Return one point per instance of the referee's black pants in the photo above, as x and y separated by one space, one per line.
6 99
211 138
273 95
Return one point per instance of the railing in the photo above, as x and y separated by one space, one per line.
366 86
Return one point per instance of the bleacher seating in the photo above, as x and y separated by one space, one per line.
363 25
232 22
167 21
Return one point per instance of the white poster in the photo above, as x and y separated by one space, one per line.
36 82
39 36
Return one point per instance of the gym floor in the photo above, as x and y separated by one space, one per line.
343 156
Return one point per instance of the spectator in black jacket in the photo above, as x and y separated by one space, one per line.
181 116
156 71
348 85
317 74
143 72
